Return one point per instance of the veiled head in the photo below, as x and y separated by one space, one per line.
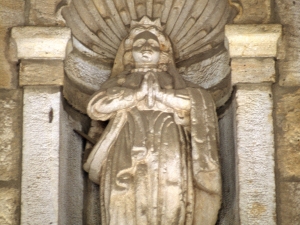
147 35
145 50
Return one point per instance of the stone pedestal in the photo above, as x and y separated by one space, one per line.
252 49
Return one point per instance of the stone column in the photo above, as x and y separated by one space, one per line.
41 51
252 49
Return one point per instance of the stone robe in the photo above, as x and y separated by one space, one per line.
156 165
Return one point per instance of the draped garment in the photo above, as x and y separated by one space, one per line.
153 169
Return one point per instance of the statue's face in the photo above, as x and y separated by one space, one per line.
145 49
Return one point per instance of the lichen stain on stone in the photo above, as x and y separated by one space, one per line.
257 209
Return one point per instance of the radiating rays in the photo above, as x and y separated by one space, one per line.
194 26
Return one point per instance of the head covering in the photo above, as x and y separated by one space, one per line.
124 57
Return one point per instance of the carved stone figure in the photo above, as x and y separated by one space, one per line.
157 160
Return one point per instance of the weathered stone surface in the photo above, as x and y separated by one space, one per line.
10 134
288 13
255 154
70 168
252 70
41 42
229 213
41 72
45 13
252 40
11 14
40 159
9 203
212 74
288 134
253 11
289 203
75 95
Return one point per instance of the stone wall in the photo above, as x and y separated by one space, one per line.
286 113
10 155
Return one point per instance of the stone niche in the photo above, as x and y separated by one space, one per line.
51 187
196 30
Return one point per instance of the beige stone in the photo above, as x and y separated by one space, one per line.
289 203
41 72
255 154
9 203
10 134
75 96
288 134
253 11
41 42
252 70
11 14
289 67
45 13
252 40
40 155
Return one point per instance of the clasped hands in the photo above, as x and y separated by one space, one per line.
150 88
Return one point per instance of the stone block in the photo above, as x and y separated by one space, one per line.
255 154
289 203
41 72
10 134
41 42
45 13
288 14
253 11
288 134
252 70
11 14
9 204
252 40
40 158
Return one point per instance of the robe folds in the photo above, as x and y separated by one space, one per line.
152 166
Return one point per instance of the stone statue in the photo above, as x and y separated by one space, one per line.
157 160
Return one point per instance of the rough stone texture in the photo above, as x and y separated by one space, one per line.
45 12
254 11
70 160
288 134
10 134
41 72
252 40
40 159
255 154
41 42
9 204
213 74
288 13
11 14
75 96
252 70
289 207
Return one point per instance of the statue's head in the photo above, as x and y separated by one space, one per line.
147 46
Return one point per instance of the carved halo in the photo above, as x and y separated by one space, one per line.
194 27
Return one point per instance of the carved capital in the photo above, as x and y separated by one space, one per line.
41 42
252 40
41 50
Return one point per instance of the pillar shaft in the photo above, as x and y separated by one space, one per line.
253 49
